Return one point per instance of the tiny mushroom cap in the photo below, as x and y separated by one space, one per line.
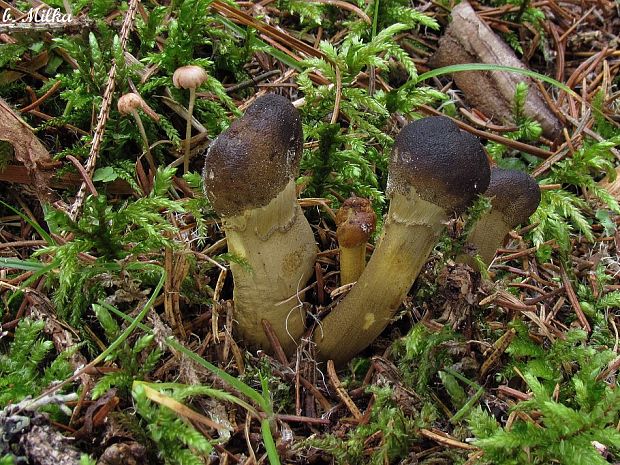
250 163
514 194
356 221
129 103
446 166
189 77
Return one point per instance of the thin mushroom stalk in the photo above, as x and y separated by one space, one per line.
249 178
129 104
356 221
435 170
514 198
189 77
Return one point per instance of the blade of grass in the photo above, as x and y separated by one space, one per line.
25 265
112 347
270 445
230 380
489 67
262 401
205 390
525 72
42 232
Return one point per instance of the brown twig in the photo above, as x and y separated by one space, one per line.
43 98
342 393
446 440
572 298
532 150
85 177
275 343
104 112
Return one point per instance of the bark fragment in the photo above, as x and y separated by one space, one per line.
27 149
469 40
612 186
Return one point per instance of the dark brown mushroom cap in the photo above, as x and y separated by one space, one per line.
513 193
446 166
251 162
356 221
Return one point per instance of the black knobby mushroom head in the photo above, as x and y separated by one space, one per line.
436 157
234 181
513 193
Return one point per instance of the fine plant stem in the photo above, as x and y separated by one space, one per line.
188 129
147 148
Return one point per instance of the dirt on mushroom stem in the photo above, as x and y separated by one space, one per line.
278 245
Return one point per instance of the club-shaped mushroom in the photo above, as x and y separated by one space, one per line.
435 170
249 178
514 196
356 221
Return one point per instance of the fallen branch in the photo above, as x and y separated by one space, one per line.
469 40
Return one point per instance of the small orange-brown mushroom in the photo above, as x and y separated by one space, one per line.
356 221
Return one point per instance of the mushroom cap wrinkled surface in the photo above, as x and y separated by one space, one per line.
513 193
250 163
189 77
446 166
356 221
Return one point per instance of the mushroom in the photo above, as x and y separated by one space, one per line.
249 178
514 196
435 170
189 77
356 221
129 104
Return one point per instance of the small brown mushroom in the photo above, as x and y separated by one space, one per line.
189 77
129 104
435 170
515 196
356 222
249 178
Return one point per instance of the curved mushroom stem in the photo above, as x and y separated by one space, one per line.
487 235
410 232
188 129
435 169
147 148
277 243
